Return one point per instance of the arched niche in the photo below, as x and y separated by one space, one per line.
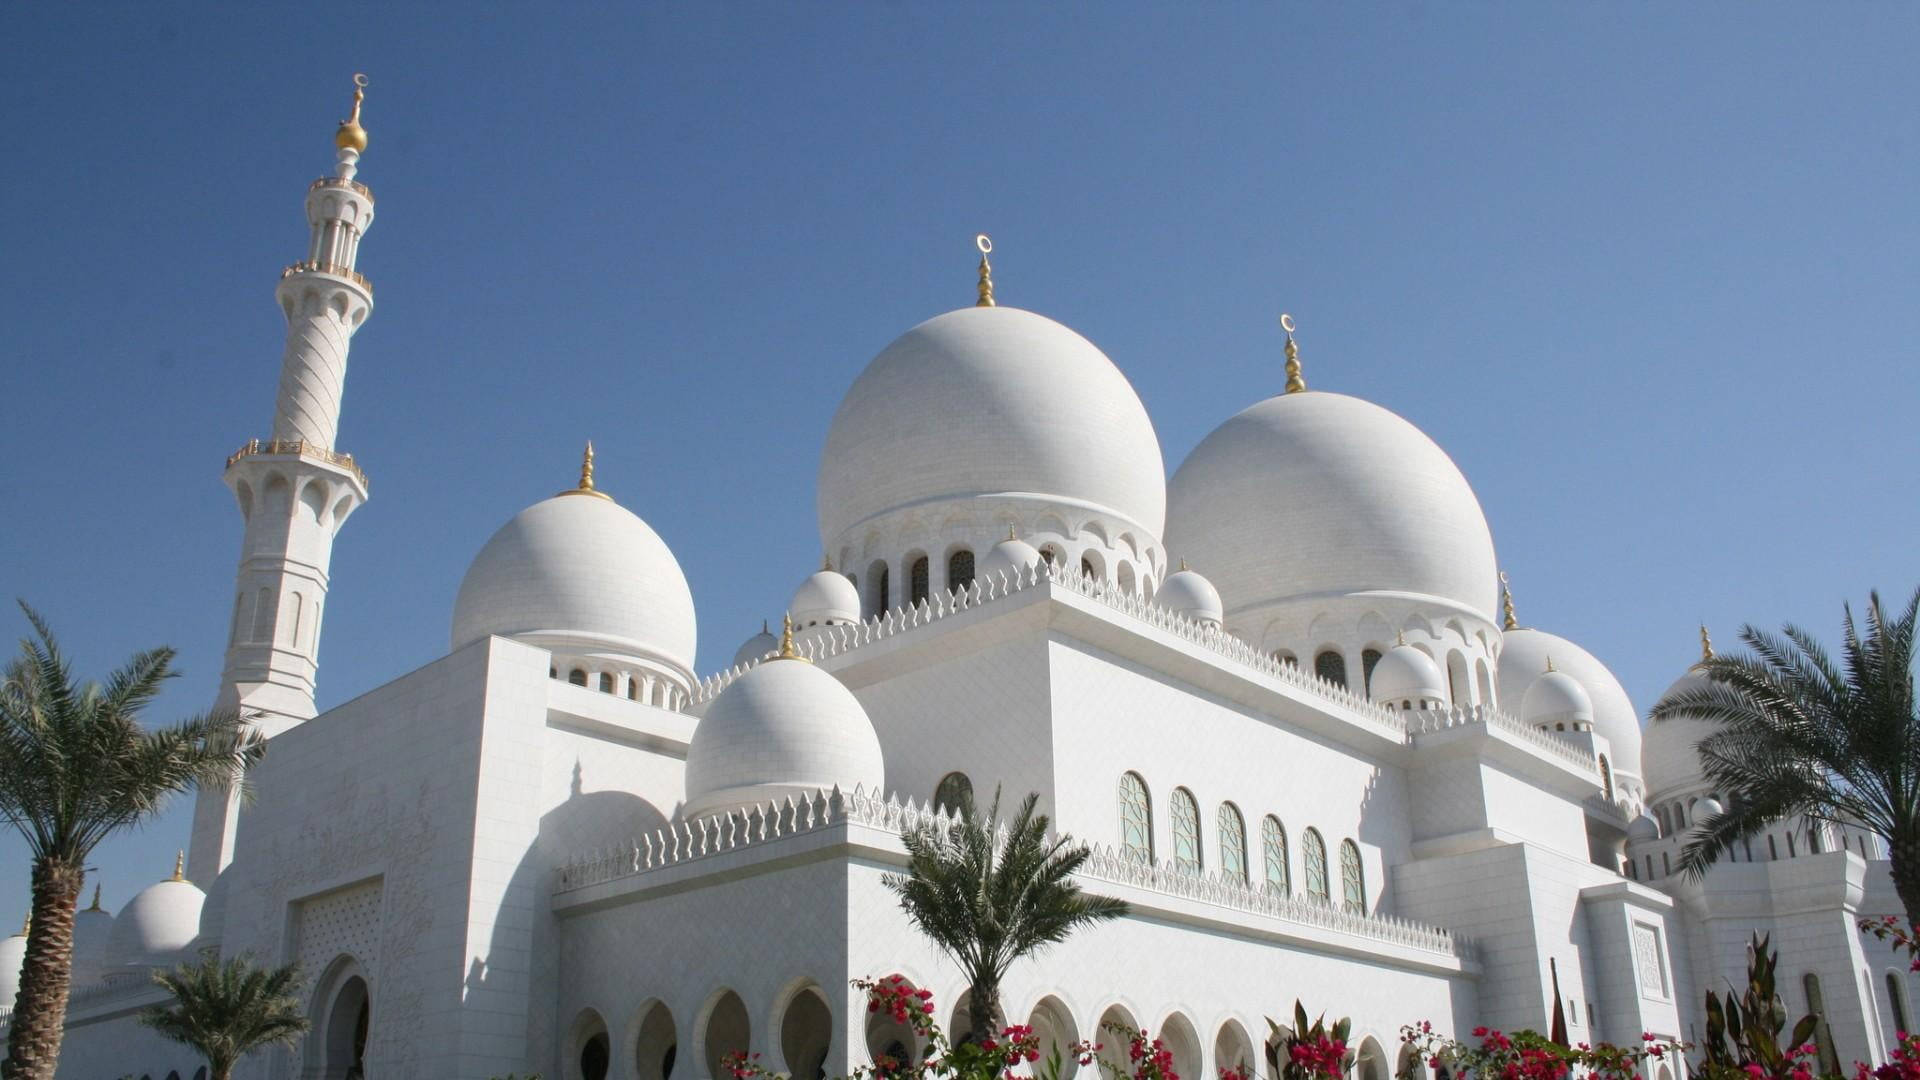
724 1029
1370 1062
1054 1029
1115 1021
341 1015
589 1048
655 1042
1233 1049
806 1033
889 1038
1178 1034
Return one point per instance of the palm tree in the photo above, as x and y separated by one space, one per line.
75 766
228 1010
1798 735
989 895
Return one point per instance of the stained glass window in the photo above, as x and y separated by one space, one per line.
1233 844
1313 855
1186 831
1273 843
1136 818
1353 882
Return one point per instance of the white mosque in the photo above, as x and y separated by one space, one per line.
1282 694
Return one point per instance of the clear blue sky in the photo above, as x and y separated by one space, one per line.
1648 273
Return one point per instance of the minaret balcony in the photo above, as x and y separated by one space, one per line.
310 266
303 449
339 182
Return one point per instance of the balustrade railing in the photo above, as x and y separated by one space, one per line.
335 181
315 266
299 448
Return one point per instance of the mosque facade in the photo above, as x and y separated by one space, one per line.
1283 695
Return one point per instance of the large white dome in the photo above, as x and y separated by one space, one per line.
156 926
784 728
1524 654
13 956
1315 494
584 570
1670 756
990 401
92 927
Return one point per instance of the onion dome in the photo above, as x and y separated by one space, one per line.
1643 828
785 728
13 957
1007 558
984 402
1670 758
1556 700
1186 592
1405 677
92 926
580 573
756 648
1316 495
1523 658
825 599
156 927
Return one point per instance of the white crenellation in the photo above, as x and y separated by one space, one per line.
689 841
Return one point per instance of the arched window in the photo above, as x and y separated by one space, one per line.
1331 666
1136 818
880 586
1313 854
1897 1002
917 580
1273 845
955 791
606 682
1822 1033
1368 658
1233 843
1049 554
1459 688
578 676
1353 881
960 569
1086 566
1286 658
633 688
1186 831
1606 778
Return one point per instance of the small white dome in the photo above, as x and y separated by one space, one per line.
156 927
1523 658
1704 811
584 572
1008 557
758 647
990 401
1670 758
13 956
1188 593
1556 699
1642 829
1317 494
1405 674
784 728
92 927
826 597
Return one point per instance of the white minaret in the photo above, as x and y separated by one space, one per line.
295 490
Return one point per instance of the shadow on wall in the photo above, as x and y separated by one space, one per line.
585 820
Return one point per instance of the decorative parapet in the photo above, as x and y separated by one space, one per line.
689 841
299 448
338 182
314 266
829 641
1430 721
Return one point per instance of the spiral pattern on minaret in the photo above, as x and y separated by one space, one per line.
313 374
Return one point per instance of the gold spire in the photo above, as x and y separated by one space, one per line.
1012 534
1507 619
1183 564
26 923
826 561
179 867
1706 644
1295 383
787 651
586 477
1399 638
96 897
1549 663
985 244
351 135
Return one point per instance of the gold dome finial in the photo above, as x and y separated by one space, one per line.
1507 619
1549 663
1295 383
1012 533
1183 564
787 651
179 867
1399 638
985 244
586 477
96 898
351 135
826 561
1706 644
